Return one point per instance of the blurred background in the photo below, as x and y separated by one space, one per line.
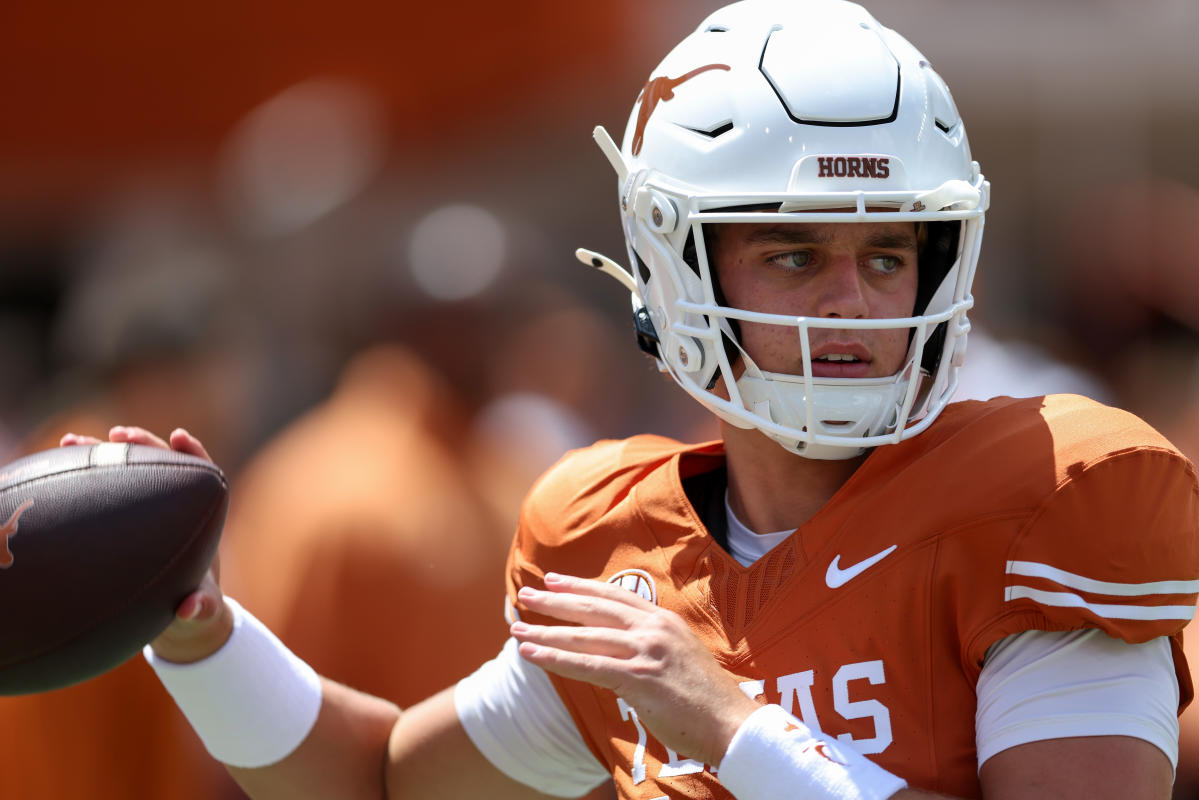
228 216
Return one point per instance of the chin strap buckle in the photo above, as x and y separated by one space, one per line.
647 335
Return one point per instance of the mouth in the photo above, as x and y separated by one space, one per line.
841 361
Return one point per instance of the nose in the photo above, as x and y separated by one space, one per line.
841 292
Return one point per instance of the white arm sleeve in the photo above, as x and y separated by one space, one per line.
1050 685
512 713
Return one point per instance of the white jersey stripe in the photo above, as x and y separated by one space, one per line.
1106 610
1033 569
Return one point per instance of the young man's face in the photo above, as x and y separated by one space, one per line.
835 270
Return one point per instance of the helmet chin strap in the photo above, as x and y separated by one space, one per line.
841 408
780 398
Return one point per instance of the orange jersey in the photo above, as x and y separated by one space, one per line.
871 622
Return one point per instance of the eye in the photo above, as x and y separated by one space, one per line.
884 265
793 260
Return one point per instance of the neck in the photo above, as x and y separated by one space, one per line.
771 489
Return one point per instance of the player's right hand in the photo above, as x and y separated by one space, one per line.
203 621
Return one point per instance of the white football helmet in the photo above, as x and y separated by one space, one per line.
771 109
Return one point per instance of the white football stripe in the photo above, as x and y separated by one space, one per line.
1106 610
1034 569
109 454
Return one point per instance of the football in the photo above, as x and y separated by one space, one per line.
98 546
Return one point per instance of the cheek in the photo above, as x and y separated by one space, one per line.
897 299
729 274
908 294
762 341
890 351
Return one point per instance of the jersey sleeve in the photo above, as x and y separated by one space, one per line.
511 712
554 520
572 520
577 518
1115 547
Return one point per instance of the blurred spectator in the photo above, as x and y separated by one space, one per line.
1019 369
116 737
358 535
142 333
355 532
1131 257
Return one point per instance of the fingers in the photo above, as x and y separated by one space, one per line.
204 604
179 440
613 629
203 622
600 670
136 435
69 439
578 608
596 641
199 606
557 582
586 602
184 442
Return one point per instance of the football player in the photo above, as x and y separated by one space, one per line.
862 590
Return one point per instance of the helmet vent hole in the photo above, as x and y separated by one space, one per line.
716 29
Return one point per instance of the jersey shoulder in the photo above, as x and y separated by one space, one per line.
596 500
1009 453
588 483
1116 542
1076 515
1065 432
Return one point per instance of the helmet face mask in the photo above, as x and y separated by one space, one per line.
778 112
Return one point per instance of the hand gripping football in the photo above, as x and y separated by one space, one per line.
98 546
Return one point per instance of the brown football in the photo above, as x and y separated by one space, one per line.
98 546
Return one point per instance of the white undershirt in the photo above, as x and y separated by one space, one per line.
1034 686
746 546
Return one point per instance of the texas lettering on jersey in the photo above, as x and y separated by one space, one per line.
792 692
871 622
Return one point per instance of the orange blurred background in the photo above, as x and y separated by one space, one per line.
207 212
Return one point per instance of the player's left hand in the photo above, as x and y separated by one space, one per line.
646 654
203 622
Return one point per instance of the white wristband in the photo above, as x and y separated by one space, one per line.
774 756
252 702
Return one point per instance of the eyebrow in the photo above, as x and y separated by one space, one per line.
798 233
892 241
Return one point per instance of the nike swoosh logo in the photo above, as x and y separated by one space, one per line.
836 577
